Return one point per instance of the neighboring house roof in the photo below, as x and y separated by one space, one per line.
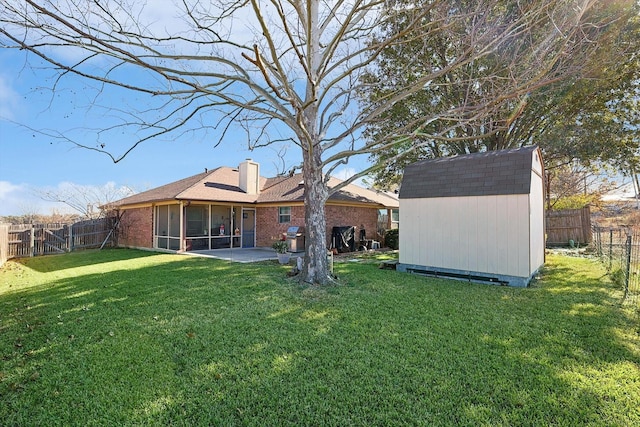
222 185
499 172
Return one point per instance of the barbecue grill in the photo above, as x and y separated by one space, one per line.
295 238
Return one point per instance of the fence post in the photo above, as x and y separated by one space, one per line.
599 241
610 247
70 237
627 275
4 243
32 241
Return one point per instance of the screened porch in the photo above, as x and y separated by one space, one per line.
189 226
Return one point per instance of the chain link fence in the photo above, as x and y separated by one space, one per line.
619 249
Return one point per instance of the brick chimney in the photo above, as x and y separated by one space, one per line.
249 177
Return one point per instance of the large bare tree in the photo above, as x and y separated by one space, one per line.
90 201
292 68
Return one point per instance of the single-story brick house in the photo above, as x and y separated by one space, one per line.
236 207
476 217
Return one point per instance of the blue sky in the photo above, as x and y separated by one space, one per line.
31 161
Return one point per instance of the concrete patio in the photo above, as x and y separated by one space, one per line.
241 254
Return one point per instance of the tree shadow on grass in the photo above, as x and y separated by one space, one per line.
548 355
206 342
108 339
48 263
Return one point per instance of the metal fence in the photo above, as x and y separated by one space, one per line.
619 250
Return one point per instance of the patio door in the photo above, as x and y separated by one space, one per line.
248 228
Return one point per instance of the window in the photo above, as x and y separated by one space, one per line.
284 214
388 222
395 218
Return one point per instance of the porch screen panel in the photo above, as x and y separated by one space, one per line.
197 228
162 226
174 227
162 220
220 216
197 217
237 215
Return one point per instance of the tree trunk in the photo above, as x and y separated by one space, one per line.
315 195
315 268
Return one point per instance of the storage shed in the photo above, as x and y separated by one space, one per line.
477 217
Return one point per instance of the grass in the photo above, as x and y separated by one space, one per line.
122 337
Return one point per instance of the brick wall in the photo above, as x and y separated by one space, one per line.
268 229
341 215
136 228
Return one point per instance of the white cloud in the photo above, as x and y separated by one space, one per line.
6 188
346 173
16 199
81 197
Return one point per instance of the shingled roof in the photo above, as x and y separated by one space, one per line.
290 189
499 172
222 185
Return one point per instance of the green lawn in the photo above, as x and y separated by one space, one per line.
124 337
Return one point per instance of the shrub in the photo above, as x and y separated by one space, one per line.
280 246
618 277
577 201
391 238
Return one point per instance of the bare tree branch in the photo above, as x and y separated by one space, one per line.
296 68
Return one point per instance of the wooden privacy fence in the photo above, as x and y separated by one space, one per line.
44 239
568 224
4 243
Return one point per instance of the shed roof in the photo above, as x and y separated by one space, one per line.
222 185
500 172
